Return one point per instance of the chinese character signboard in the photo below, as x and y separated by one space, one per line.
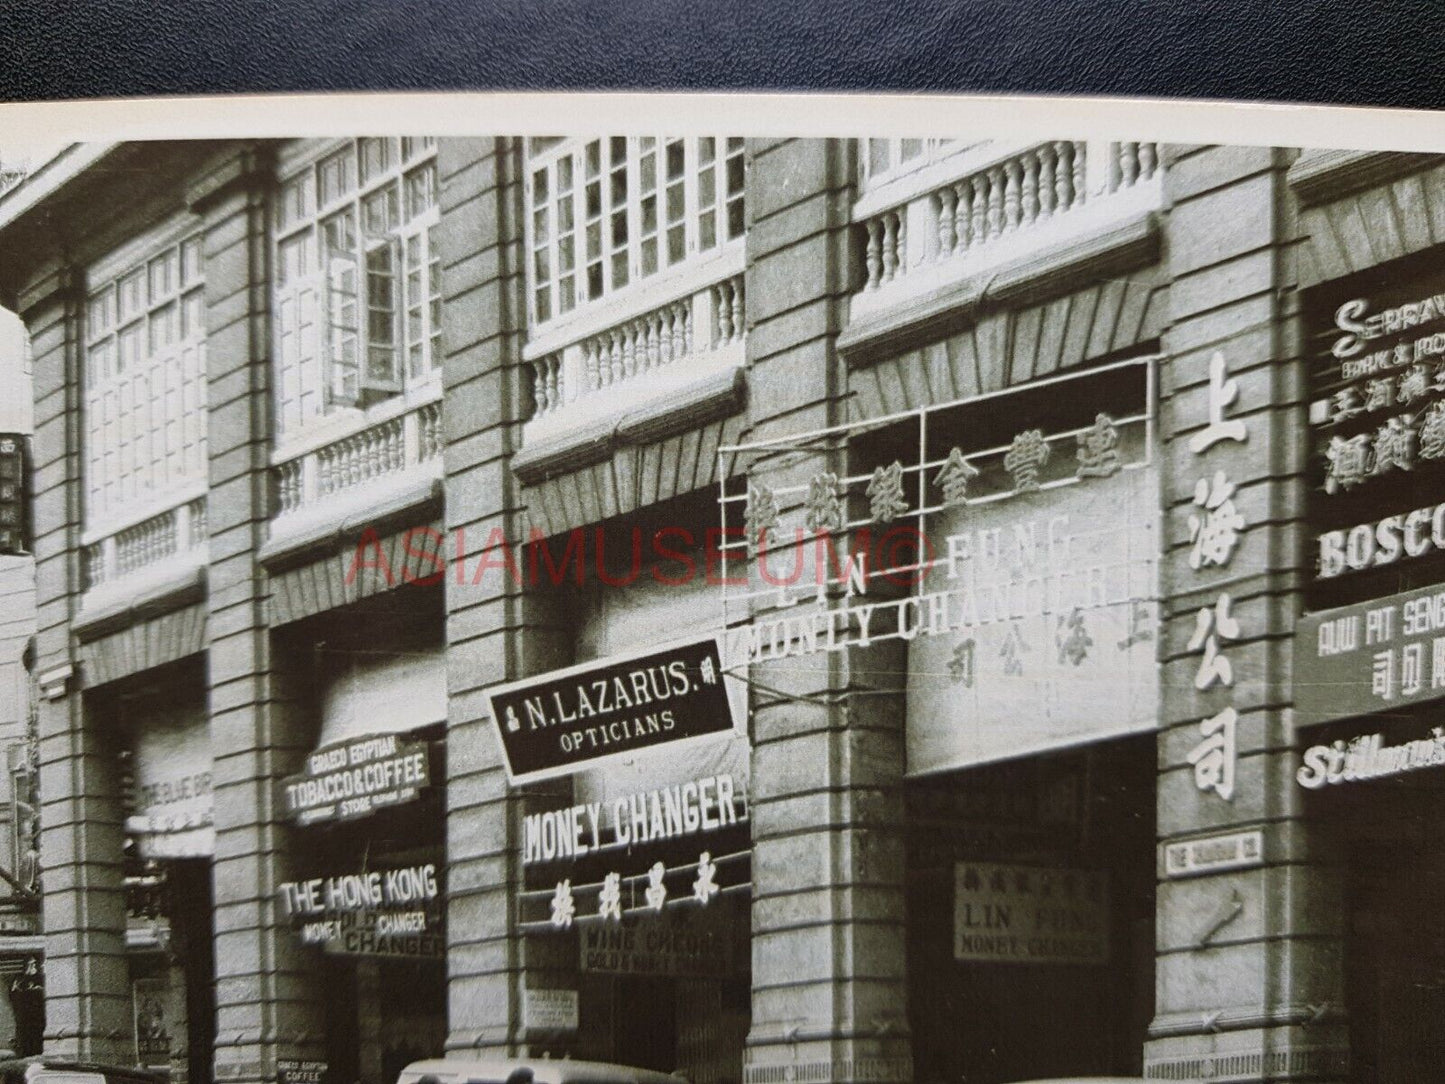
1370 656
1052 609
575 718
1377 414
1028 915
355 778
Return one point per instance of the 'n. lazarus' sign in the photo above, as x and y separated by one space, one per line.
561 722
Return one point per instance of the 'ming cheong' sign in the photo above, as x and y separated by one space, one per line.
571 719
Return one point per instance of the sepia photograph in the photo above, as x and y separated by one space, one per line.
723 589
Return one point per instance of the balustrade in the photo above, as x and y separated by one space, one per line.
633 349
1001 200
385 449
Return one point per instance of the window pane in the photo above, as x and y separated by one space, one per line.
379 211
619 270
594 159
295 201
735 218
335 176
420 190
564 174
164 324
707 229
131 290
877 156
619 149
910 149
539 187
594 280
735 175
675 159
101 313
676 244
375 158
544 306
190 261
163 275
339 232
594 199
649 256
193 315
705 150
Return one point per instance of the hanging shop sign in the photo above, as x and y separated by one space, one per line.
549 1010
356 778
174 810
1029 915
576 718
1370 656
1046 627
392 912
1360 759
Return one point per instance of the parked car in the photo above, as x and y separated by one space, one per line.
42 1070
529 1071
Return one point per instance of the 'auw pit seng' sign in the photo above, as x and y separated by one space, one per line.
570 719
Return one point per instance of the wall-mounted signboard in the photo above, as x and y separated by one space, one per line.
394 912
566 720
1372 656
1050 625
355 778
1030 915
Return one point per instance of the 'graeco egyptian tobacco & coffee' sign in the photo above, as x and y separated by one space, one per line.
570 719
354 778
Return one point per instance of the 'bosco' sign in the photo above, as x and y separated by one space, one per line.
573 718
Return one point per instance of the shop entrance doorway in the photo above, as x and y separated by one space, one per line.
1031 916
1385 834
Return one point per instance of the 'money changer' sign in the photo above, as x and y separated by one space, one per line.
567 720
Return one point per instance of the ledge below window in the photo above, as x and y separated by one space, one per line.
561 444
167 586
1319 176
923 317
379 505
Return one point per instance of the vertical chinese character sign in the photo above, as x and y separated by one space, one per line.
1215 527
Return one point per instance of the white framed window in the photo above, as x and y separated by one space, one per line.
358 277
605 214
881 160
144 380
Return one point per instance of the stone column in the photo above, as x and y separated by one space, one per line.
1249 973
87 984
829 992
267 996
495 632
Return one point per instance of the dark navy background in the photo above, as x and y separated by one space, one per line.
1334 51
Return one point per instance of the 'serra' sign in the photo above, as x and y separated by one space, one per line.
1029 915
574 718
352 779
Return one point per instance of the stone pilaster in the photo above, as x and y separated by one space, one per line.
87 984
1249 979
494 630
267 996
829 989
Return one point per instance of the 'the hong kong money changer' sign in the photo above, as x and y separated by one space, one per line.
1053 624
576 718
1370 656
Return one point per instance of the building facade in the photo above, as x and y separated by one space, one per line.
785 610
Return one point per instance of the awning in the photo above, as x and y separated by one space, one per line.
368 693
171 769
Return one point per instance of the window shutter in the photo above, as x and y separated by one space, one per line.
341 326
383 356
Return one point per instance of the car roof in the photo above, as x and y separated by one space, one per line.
544 1071
56 1065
